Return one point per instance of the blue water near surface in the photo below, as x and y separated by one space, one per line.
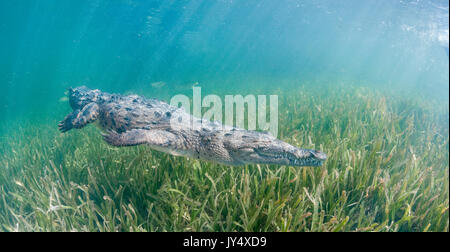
122 45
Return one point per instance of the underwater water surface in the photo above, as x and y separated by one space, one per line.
366 82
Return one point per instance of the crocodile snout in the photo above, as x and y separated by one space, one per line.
319 155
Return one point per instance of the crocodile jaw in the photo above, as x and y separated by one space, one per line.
277 152
293 156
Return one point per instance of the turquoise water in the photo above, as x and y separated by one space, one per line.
48 46
365 81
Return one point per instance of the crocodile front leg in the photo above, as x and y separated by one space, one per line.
160 140
157 138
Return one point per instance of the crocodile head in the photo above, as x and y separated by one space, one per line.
80 96
290 155
265 149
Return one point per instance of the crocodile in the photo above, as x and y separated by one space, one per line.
134 120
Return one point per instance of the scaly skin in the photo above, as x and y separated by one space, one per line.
134 120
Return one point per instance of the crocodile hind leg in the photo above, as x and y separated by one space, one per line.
79 118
